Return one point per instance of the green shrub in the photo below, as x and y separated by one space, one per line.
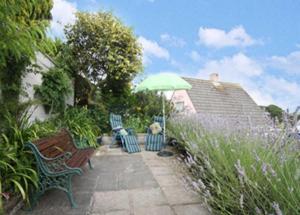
16 172
138 124
44 129
241 172
100 115
148 104
80 123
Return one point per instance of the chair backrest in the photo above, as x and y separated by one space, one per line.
115 121
160 120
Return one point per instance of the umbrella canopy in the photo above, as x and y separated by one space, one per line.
163 82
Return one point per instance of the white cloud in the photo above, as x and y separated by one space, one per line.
195 56
283 86
259 97
289 63
218 38
285 93
172 40
239 64
152 49
63 13
263 87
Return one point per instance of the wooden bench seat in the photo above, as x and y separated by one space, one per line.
58 159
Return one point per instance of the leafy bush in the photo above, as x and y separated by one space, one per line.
100 115
138 124
16 172
149 104
54 90
44 129
240 171
80 123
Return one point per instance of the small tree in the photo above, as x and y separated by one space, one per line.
275 112
107 52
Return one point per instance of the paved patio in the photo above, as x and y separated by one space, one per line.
123 184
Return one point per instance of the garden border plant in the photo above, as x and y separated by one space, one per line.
240 171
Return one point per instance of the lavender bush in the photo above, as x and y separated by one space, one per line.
239 169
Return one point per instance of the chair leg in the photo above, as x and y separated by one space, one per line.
112 141
90 164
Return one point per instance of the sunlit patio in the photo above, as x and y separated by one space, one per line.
122 183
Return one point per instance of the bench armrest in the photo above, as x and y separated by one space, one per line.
63 157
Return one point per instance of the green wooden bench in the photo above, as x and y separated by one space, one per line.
57 160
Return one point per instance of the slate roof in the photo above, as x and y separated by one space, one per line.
225 100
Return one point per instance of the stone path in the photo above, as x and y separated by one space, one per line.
123 184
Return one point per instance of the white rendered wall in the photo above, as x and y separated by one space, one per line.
31 79
182 96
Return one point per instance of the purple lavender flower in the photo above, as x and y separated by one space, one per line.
264 168
275 205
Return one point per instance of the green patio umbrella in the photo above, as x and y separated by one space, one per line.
163 82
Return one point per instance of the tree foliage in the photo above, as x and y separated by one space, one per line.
23 27
275 112
106 51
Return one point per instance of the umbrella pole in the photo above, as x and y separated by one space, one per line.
164 119
164 153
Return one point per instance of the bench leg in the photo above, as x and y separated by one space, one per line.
90 164
70 194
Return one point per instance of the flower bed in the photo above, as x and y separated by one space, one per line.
239 170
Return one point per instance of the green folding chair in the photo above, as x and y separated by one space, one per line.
154 142
129 141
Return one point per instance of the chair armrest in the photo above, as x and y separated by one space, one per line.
148 130
130 131
117 129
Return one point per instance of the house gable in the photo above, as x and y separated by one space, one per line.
221 99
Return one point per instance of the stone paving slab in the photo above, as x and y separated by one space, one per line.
156 210
179 195
124 184
192 209
148 198
104 202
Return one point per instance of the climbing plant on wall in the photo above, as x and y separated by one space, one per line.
54 90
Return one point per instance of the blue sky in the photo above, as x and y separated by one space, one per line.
253 43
